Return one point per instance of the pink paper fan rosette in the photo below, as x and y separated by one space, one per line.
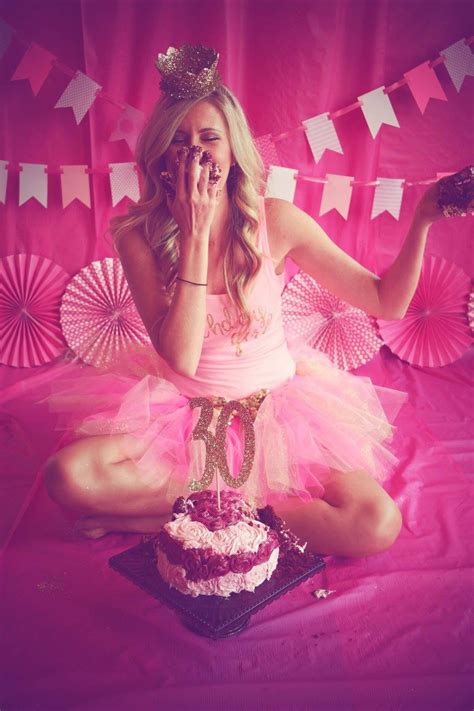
318 318
98 315
434 330
31 288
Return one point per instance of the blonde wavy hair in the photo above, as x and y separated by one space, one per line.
244 184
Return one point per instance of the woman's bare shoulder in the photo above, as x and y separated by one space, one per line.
275 209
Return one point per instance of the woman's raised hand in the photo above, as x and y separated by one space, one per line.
451 196
193 206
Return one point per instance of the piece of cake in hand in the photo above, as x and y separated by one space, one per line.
205 550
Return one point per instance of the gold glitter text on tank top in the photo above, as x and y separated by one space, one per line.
231 323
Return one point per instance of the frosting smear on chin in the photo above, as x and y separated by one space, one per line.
205 550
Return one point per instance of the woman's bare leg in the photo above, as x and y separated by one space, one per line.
93 479
354 518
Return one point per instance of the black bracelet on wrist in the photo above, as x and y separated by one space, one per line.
190 282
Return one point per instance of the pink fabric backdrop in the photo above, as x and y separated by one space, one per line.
396 634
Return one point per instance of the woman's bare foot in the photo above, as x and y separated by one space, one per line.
98 526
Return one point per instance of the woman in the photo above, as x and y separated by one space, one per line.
205 269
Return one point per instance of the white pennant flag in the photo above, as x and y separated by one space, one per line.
377 110
388 196
124 182
80 94
321 135
281 182
459 62
3 180
33 183
337 194
128 126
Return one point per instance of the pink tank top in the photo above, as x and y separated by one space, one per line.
234 368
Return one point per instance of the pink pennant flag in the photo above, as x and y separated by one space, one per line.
6 34
377 109
459 61
34 66
321 135
281 183
337 194
75 184
424 85
3 180
79 94
267 150
124 182
33 183
128 126
388 196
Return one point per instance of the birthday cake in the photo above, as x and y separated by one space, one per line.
207 549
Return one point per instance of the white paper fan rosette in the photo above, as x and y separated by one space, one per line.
98 315
312 313
30 295
434 330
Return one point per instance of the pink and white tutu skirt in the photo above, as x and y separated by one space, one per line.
321 419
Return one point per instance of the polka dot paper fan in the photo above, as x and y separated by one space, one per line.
314 315
98 315
470 311
435 329
31 288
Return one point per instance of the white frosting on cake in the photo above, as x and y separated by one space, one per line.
223 585
240 537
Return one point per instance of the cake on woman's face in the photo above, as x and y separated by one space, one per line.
205 550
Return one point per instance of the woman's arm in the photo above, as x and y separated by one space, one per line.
308 245
176 325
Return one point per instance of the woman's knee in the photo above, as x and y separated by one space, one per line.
380 522
68 481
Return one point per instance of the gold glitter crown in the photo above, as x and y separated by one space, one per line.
188 72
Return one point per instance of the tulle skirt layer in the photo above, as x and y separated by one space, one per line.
321 419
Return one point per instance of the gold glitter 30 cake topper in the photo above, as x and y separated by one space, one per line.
215 444
188 72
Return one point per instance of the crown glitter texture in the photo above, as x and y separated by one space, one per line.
188 72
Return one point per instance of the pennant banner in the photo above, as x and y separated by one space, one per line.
124 182
79 94
35 66
377 109
459 61
388 196
337 194
281 183
321 135
33 183
128 126
75 184
424 85
376 106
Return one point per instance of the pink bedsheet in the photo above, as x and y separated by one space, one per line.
396 633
